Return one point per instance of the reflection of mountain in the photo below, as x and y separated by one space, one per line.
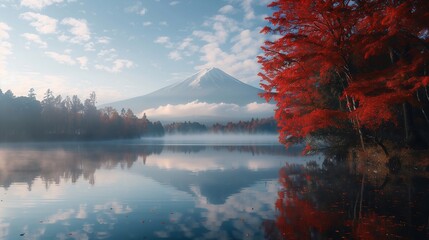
211 184
220 171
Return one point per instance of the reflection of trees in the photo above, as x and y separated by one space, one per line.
333 202
254 149
53 162
260 149
70 162
185 148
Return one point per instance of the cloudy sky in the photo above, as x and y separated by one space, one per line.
125 48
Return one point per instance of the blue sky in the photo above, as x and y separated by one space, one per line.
125 48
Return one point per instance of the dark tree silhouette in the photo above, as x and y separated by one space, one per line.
58 118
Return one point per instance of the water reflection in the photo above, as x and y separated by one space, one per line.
25 163
350 199
137 191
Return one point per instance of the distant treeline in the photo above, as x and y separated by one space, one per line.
265 125
58 118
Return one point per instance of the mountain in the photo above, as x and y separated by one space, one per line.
211 86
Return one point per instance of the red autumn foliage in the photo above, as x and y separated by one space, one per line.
336 60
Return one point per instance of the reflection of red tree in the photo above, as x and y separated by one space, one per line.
310 208
374 227
299 218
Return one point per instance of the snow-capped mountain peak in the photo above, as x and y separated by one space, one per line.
210 77
209 85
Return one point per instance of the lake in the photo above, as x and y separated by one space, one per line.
195 189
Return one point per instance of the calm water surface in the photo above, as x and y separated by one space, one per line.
195 190
136 190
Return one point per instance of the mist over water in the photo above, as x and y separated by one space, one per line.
142 189
217 139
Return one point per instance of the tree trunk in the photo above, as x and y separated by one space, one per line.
412 137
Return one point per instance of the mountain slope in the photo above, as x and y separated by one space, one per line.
210 85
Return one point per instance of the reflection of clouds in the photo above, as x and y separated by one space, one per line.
102 235
238 209
4 229
240 217
215 160
115 207
32 234
222 180
184 162
88 228
73 235
81 214
61 215
161 234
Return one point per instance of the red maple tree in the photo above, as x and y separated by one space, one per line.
342 64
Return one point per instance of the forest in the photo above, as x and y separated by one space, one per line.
253 126
349 73
25 118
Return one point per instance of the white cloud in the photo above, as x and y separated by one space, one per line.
61 58
148 23
43 24
117 67
79 29
143 11
38 4
63 37
173 3
197 108
83 62
5 47
240 59
226 9
4 30
185 43
165 41
162 39
34 39
248 10
222 27
137 8
175 55
246 43
260 108
188 47
89 47
104 40
107 54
